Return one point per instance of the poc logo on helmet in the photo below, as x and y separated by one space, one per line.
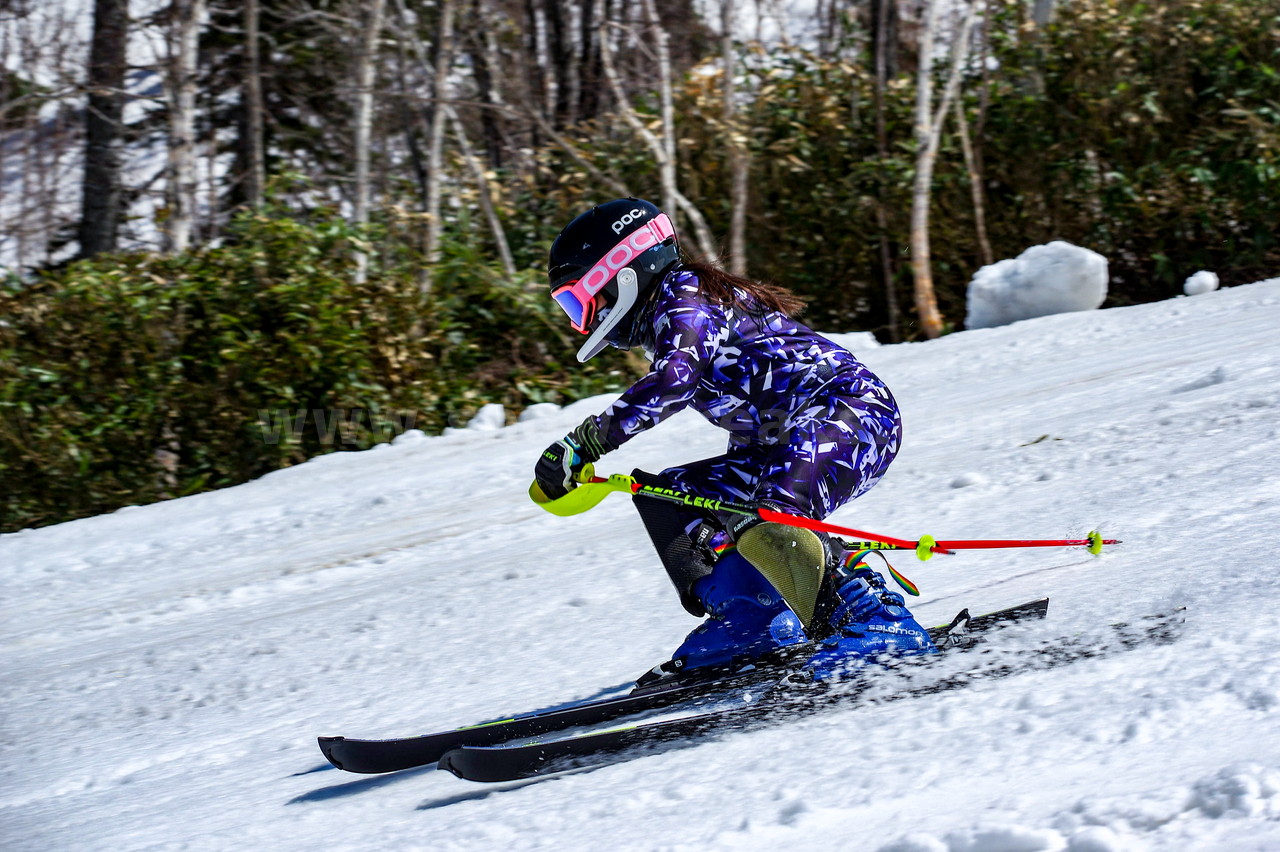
628 218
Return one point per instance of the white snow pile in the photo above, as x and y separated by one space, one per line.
855 341
1051 279
166 669
1202 282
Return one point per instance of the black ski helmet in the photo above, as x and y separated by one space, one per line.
605 262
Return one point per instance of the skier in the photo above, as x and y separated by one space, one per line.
810 428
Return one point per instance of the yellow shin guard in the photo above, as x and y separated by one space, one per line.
791 559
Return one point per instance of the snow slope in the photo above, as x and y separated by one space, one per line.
166 668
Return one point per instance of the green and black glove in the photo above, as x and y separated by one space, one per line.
560 464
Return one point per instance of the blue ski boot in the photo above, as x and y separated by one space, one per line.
868 621
748 621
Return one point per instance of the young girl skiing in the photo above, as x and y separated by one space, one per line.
810 428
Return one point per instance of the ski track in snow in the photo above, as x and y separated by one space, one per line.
167 668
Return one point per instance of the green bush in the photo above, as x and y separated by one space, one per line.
133 378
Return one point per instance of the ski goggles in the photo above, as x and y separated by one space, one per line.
579 298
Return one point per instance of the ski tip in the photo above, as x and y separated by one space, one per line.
472 763
327 745
448 764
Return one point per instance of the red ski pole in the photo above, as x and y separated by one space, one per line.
1093 542
593 489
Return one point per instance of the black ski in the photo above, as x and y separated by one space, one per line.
390 755
506 763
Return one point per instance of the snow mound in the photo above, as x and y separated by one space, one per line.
490 418
1057 278
854 341
1201 282
538 411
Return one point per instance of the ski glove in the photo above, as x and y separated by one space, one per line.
557 470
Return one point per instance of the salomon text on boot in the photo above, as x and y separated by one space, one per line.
865 622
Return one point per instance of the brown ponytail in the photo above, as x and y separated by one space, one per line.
725 288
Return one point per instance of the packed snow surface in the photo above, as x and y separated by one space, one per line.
167 668
1050 279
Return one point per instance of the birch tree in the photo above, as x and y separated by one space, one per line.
435 146
929 120
539 49
663 149
736 143
186 17
365 74
976 192
483 191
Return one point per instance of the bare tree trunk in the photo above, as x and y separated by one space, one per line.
255 175
562 59
442 110
589 70
103 193
882 10
16 234
365 74
565 145
735 141
478 50
975 186
409 115
928 127
926 302
211 181
415 116
658 147
667 163
435 147
486 202
823 15
37 144
884 14
182 183
542 57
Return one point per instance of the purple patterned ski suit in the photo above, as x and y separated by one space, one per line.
810 426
